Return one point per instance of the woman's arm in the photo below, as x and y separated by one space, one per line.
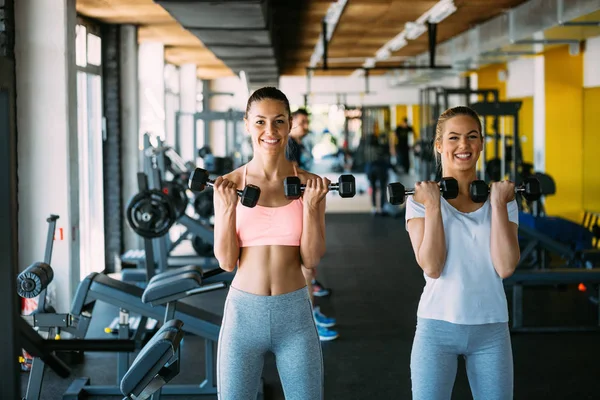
312 242
504 243
504 239
226 247
428 241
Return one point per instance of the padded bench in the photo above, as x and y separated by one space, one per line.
156 364
171 286
548 277
138 276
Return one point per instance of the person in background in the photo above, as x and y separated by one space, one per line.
402 144
300 156
377 167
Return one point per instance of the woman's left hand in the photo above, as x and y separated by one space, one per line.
315 191
502 193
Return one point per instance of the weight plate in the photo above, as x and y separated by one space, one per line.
176 192
202 248
203 204
151 214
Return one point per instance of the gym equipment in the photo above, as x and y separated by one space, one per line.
530 189
548 277
199 230
156 365
165 287
512 157
346 186
150 213
176 192
542 235
397 192
34 279
204 205
199 179
163 290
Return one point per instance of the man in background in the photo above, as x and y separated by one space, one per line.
297 152
402 144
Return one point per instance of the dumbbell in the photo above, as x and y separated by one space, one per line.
530 188
346 186
397 192
199 179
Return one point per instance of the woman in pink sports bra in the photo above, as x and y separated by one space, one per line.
268 307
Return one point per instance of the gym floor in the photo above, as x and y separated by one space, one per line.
376 287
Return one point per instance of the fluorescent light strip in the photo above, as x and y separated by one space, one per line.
413 30
334 12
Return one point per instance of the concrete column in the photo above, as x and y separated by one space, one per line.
131 160
187 97
151 64
48 141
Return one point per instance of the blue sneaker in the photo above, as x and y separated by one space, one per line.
319 290
326 335
321 319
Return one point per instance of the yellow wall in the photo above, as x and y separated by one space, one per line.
564 131
401 113
416 120
591 146
526 127
487 78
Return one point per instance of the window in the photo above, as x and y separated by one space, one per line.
90 134
81 46
94 50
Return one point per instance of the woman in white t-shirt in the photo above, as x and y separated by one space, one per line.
465 250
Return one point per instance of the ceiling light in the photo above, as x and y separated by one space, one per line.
441 11
383 54
369 63
334 12
414 30
397 43
357 73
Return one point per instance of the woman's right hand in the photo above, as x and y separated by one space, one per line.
225 193
427 193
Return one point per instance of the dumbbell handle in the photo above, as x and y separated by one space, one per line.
332 186
517 189
409 192
211 183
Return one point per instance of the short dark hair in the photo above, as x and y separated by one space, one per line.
265 93
300 111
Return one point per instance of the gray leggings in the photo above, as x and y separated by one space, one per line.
488 359
254 325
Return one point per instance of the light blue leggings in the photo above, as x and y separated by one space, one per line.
488 359
254 325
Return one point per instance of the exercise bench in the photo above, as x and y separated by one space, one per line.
155 365
548 277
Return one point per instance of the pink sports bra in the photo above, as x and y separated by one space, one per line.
269 226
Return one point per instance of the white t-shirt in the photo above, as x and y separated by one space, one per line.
469 291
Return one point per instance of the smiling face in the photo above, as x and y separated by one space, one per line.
268 122
459 143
